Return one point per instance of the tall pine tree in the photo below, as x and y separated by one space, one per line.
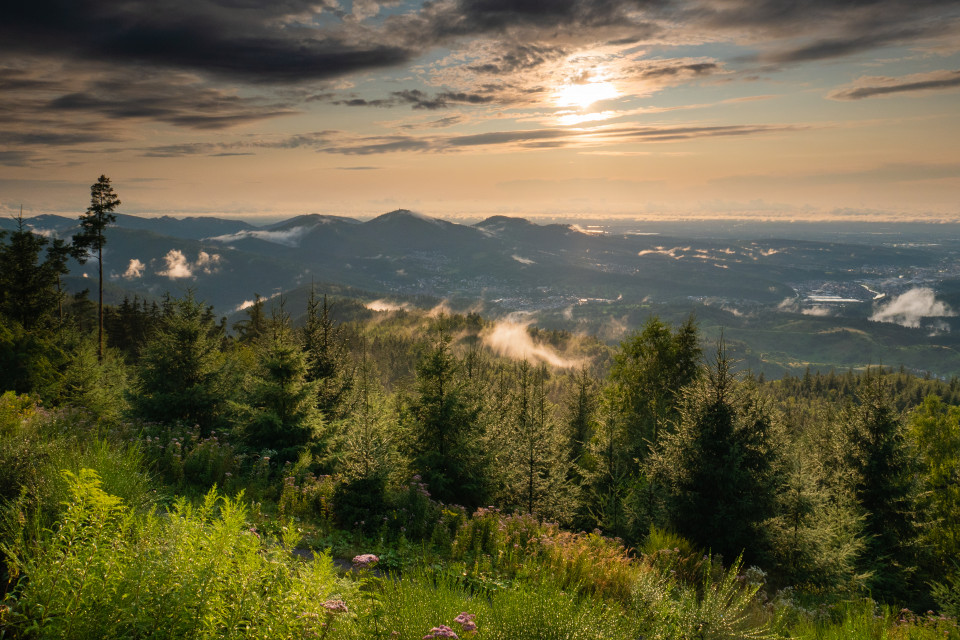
103 202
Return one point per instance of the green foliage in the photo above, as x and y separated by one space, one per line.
183 375
324 343
30 361
946 591
720 466
935 430
99 215
99 386
717 607
38 445
202 571
279 411
423 601
370 446
863 620
650 368
445 429
533 464
882 475
30 291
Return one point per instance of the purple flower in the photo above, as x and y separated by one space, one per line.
335 606
443 631
465 620
365 561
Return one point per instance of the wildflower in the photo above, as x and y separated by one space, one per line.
335 606
365 561
465 620
443 631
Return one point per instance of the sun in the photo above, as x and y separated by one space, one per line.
582 95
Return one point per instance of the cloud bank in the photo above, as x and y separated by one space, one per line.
910 308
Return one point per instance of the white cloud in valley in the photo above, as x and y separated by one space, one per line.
910 308
178 266
134 269
286 237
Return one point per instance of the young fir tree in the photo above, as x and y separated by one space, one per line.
580 414
445 428
183 374
103 202
370 452
280 410
720 465
249 331
883 473
935 431
329 363
817 534
97 386
29 280
647 374
31 355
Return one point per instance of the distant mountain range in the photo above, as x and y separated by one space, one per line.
573 278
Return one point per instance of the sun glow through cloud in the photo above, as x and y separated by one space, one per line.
582 95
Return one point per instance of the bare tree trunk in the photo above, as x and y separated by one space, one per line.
100 305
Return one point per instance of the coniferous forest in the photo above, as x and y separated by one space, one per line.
303 474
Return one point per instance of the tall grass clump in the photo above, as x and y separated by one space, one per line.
423 602
520 545
863 619
721 605
201 571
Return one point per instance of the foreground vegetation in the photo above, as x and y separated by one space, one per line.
190 481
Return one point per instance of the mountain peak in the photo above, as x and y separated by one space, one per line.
406 214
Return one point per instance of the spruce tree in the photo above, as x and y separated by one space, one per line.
326 349
935 431
103 202
255 325
183 374
648 372
883 472
446 435
720 464
281 404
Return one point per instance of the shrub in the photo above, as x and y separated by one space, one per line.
105 572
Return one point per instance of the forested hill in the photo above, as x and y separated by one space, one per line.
884 294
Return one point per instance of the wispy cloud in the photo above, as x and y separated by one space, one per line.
874 86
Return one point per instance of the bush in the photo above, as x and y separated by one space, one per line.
105 572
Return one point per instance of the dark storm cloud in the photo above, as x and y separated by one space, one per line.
194 109
827 29
473 16
296 41
872 87
256 42
420 100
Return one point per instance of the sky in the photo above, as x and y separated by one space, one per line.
650 109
